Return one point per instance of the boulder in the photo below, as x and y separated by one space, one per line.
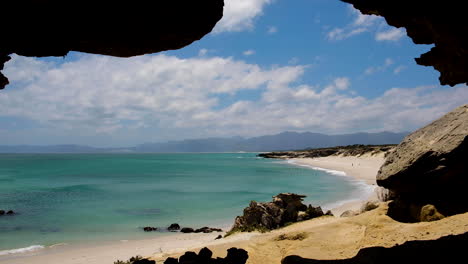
206 229
10 212
429 213
187 230
174 227
171 261
429 167
284 209
369 206
218 237
149 229
2 212
234 256
144 261
348 213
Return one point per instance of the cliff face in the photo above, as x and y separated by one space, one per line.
429 167
122 29
441 23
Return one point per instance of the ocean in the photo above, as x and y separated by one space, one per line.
83 198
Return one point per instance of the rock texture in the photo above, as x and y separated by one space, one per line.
441 23
234 256
429 167
174 227
284 209
449 249
149 229
105 27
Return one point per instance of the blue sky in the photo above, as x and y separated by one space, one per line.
269 66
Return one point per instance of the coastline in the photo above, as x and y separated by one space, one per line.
171 243
363 169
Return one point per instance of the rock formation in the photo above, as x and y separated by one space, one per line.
285 208
174 227
441 23
204 229
149 229
55 27
351 150
9 212
234 256
429 167
449 249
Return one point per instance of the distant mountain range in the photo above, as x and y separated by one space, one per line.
282 141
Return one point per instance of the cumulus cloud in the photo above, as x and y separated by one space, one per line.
272 30
240 15
365 23
393 34
374 69
249 52
160 97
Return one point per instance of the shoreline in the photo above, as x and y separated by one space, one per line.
361 169
170 243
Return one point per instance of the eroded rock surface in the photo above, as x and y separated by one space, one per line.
285 208
55 27
441 23
430 166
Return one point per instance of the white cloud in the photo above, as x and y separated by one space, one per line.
202 52
393 34
399 69
374 69
272 30
239 15
249 52
154 98
366 23
293 60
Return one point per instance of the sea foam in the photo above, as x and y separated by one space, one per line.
21 250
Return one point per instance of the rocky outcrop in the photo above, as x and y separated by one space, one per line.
174 227
369 206
429 167
351 150
429 213
103 27
204 229
234 256
449 249
441 23
284 209
149 229
9 212
187 230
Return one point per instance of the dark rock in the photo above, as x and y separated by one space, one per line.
171 261
429 213
348 213
189 257
187 230
218 237
284 209
429 167
103 27
149 229
449 249
441 23
205 254
144 261
206 229
2 212
10 212
329 213
174 227
236 256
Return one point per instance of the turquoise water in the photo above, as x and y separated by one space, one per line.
76 198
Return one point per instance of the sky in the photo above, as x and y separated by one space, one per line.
268 66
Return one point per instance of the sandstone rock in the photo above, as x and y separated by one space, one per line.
429 167
348 213
174 227
429 213
149 229
369 205
103 27
187 230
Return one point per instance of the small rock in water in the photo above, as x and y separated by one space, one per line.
187 230
218 237
2 212
174 227
149 229
10 212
